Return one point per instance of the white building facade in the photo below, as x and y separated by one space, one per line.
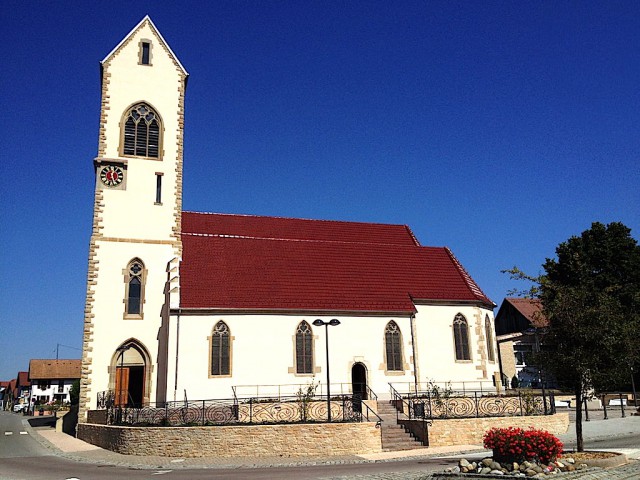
211 305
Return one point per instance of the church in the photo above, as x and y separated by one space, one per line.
203 305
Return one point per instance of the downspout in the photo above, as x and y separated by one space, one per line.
412 320
175 380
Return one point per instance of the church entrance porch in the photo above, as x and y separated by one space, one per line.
130 379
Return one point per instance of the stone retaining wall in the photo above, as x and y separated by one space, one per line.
469 431
229 441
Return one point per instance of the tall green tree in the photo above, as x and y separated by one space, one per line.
591 296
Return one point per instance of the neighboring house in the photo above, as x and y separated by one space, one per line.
51 380
4 386
202 305
22 390
520 326
8 397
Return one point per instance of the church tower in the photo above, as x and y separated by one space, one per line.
136 220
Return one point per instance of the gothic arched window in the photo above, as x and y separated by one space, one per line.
220 350
488 333
461 337
141 132
134 295
304 348
393 346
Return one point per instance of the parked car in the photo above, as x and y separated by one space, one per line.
20 407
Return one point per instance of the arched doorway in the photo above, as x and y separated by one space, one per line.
131 373
359 380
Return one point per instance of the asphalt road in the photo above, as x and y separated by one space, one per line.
15 441
22 457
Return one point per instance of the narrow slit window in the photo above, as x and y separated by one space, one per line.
134 288
146 53
158 188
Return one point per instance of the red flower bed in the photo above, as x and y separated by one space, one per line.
516 445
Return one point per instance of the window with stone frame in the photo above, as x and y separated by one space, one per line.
488 333
220 350
461 337
393 346
141 132
145 52
304 348
134 300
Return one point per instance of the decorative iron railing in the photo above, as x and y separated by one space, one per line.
485 387
476 404
344 408
279 391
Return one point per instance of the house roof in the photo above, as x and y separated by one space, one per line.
23 379
531 309
54 369
241 262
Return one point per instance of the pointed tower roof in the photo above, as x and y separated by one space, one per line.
146 21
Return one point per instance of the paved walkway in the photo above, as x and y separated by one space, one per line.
72 448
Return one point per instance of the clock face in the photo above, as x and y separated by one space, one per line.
111 175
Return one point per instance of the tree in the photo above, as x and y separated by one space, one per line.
74 392
591 296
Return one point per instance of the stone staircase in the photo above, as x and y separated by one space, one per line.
394 436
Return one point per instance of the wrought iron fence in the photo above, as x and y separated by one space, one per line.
279 391
474 404
344 408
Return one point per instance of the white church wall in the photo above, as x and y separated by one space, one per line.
436 347
113 329
263 353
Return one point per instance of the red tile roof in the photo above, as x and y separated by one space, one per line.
274 264
54 369
531 309
296 229
23 379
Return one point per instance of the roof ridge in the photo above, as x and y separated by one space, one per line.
252 215
302 240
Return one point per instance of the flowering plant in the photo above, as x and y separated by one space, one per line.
516 445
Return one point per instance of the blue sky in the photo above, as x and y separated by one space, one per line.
498 129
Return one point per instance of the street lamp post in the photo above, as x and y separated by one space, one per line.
633 386
318 323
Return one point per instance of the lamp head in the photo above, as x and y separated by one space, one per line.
318 323
334 322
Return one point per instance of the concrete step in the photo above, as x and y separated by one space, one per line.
394 436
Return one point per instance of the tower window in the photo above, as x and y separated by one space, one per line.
134 295
159 188
141 132
145 53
